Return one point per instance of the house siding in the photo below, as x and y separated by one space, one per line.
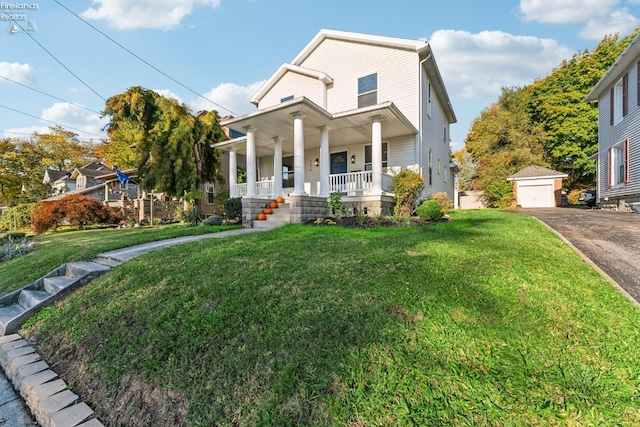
432 137
296 85
611 135
396 69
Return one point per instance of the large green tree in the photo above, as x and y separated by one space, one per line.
10 182
571 125
172 146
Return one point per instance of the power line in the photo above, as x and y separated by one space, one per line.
49 121
49 95
53 56
144 61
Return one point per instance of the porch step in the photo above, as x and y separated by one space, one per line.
20 305
280 216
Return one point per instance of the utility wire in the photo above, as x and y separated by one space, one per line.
144 61
52 55
49 95
49 121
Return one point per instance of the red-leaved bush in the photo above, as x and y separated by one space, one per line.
75 210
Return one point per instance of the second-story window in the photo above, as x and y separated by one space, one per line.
368 90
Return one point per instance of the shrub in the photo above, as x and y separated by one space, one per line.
335 205
17 217
213 220
12 248
233 208
573 198
75 210
407 186
444 200
430 210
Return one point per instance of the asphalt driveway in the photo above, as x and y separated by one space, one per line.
611 240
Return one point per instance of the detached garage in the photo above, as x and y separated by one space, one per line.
537 187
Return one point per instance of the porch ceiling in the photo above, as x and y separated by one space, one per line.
346 128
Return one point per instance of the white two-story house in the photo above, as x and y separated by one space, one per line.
618 96
347 113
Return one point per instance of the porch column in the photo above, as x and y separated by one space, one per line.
324 161
277 167
251 162
298 154
376 155
233 172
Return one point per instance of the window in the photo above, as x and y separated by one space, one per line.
368 90
81 182
618 102
444 128
235 134
619 163
209 194
439 166
430 171
368 156
429 99
287 98
287 172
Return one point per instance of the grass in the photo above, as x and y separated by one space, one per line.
55 249
485 320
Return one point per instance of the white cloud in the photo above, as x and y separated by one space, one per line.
228 95
21 73
76 117
168 94
564 11
157 14
477 65
618 21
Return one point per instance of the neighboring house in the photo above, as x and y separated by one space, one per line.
60 181
618 160
98 181
346 114
537 187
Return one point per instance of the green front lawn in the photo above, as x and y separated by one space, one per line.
485 320
54 249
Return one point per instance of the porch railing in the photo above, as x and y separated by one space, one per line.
354 183
263 189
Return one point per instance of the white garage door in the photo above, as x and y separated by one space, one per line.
536 196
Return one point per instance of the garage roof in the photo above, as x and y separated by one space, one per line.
535 172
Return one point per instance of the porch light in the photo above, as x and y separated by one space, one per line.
353 158
316 162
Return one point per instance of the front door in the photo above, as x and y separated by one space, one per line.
339 162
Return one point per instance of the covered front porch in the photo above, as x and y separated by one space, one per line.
299 151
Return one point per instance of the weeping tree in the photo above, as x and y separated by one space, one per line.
172 147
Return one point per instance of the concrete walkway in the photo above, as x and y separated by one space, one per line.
13 409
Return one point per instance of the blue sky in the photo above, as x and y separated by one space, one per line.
225 49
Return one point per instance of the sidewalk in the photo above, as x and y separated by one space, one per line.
13 410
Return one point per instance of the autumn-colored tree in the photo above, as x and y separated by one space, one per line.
76 210
502 141
172 146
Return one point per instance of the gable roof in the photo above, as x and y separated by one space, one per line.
534 172
396 43
284 68
92 169
54 174
421 47
614 72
